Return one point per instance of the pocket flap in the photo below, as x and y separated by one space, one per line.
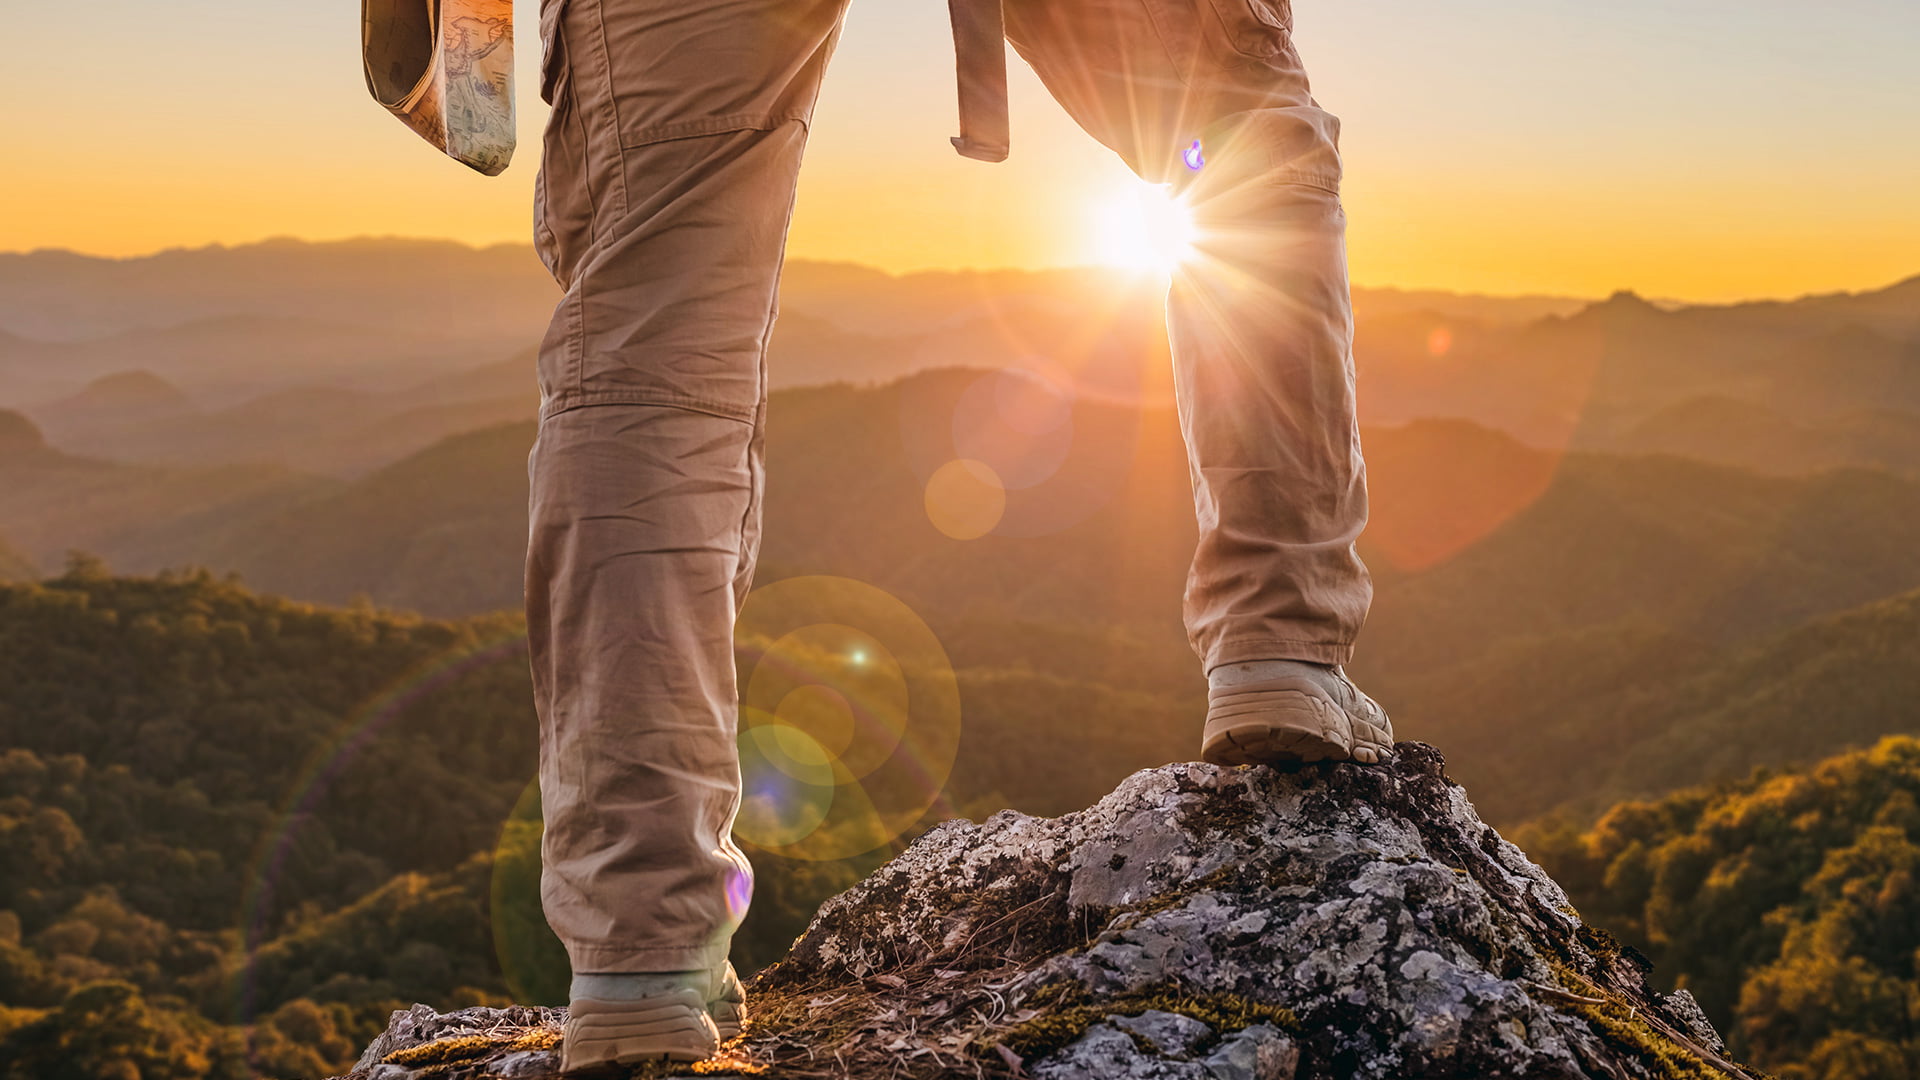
552 51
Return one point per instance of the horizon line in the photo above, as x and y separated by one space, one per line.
290 240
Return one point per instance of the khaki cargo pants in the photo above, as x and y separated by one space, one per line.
662 210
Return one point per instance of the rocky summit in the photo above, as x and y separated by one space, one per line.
1199 923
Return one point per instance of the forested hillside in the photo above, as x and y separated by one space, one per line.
1576 597
193 772
13 565
1621 549
1788 903
235 831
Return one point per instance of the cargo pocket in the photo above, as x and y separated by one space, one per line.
553 52
1252 29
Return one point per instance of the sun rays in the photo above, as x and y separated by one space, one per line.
1144 228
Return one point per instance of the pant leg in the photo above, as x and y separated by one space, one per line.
1259 319
662 206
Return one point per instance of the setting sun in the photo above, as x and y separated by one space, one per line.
1143 227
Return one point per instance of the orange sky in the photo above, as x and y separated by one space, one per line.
1726 150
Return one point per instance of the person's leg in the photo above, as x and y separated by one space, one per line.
1260 323
663 201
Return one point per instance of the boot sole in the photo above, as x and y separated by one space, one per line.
1269 724
730 1017
636 1033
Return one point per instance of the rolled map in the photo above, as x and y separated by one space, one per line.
445 68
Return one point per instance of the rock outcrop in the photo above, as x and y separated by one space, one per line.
1206 923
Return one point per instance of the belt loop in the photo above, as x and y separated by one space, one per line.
980 59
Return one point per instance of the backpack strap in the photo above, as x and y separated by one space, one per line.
980 56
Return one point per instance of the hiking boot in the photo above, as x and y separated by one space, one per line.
670 1026
631 1019
1271 711
729 1005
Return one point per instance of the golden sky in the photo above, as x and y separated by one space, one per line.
1709 150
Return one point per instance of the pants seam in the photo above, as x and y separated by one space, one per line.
712 125
576 342
613 102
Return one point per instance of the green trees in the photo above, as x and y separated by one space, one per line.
1788 903
237 831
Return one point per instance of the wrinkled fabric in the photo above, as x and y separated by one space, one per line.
661 209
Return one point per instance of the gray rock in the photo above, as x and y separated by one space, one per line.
524 1064
403 1030
420 1025
1168 1046
1110 1053
1693 1019
1332 921
1171 1034
1261 1052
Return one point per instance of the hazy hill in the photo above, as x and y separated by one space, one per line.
122 398
139 417
196 316
846 495
1625 374
51 502
14 566
395 317
1598 603
1731 431
1574 722
1698 549
227 358
442 531
1476 538
383 284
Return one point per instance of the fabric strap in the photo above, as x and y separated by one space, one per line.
980 56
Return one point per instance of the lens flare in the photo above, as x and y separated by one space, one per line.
1017 424
786 782
1144 228
840 756
965 499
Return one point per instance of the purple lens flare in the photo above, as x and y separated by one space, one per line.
1193 157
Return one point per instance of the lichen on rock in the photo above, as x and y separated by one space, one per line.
1330 921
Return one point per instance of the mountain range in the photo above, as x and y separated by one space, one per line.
341 357
1582 511
1621 548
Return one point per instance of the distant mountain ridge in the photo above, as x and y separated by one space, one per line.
1802 384
137 416
1580 596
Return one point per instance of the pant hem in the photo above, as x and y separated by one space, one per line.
1246 650
644 959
